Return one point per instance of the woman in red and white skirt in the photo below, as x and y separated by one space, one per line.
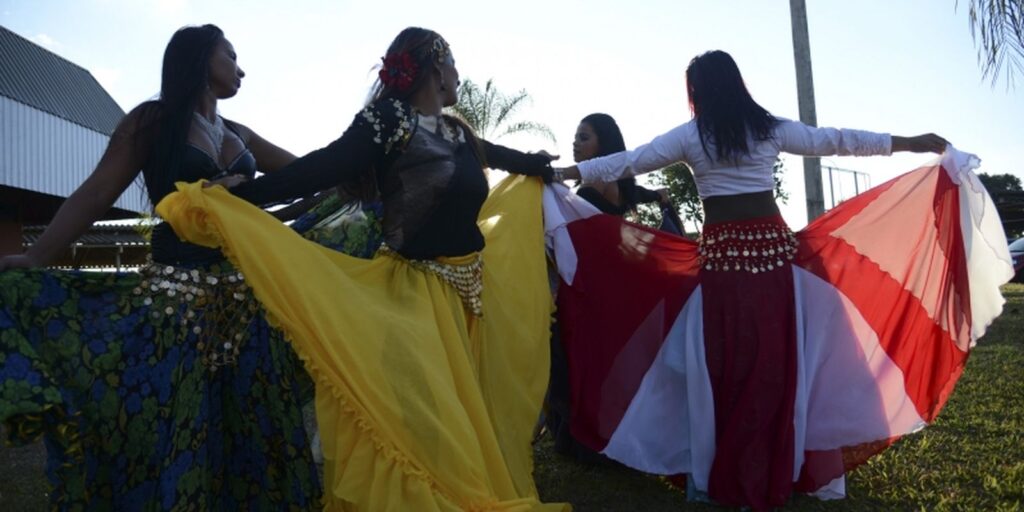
757 360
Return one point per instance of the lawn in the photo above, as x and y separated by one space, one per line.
971 458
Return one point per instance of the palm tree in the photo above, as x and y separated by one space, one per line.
489 111
997 27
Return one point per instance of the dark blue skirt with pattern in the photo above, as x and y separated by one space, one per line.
163 389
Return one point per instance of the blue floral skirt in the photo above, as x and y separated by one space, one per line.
163 389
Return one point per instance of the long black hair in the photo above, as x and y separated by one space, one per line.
184 78
724 110
609 140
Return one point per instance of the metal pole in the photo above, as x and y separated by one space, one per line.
805 97
831 188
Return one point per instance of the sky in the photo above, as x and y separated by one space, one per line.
905 67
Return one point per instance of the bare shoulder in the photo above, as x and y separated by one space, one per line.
243 131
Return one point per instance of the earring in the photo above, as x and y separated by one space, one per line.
443 88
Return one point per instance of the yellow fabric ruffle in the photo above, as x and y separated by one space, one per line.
421 405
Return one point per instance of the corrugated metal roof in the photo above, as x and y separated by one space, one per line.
99 235
37 77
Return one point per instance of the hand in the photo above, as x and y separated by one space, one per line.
17 261
927 143
665 199
229 181
550 157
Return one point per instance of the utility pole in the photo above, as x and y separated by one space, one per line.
805 97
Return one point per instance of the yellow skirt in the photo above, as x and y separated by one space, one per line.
421 405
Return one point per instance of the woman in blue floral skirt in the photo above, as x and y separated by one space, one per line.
163 389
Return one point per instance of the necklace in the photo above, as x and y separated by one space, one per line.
214 131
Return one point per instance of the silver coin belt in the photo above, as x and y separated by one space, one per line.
749 248
467 280
214 305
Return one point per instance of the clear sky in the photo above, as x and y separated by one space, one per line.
903 67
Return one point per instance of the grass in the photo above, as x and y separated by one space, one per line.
971 458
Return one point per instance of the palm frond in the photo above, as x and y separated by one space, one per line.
509 105
487 110
997 27
532 128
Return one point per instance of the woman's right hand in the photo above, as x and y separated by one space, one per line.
230 181
927 143
17 261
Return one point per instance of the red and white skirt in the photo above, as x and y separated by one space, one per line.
761 361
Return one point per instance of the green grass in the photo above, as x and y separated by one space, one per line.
971 458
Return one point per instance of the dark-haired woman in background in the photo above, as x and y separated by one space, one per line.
597 135
163 389
762 361
430 359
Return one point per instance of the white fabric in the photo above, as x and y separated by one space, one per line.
562 206
665 429
989 264
848 389
748 173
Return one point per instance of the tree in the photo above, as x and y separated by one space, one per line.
678 179
997 27
489 111
1008 195
999 183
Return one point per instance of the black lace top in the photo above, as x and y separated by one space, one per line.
429 178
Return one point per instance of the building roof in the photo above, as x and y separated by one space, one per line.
99 235
39 78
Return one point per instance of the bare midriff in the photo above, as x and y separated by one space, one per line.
739 207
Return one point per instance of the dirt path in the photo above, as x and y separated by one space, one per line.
23 485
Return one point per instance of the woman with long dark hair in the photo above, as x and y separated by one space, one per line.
162 389
761 361
597 135
430 359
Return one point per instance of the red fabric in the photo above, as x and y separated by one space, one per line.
631 284
750 346
929 355
641 278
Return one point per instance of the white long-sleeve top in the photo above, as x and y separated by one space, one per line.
746 173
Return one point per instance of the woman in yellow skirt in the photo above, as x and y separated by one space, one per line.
430 359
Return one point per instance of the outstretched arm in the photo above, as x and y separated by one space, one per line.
667 148
801 139
376 130
119 165
517 162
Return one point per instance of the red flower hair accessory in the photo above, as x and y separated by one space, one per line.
399 71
